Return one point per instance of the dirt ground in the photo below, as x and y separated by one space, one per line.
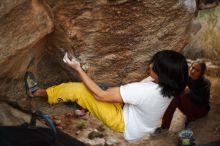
205 130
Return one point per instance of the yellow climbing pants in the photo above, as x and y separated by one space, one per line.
111 114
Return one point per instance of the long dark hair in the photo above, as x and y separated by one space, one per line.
172 70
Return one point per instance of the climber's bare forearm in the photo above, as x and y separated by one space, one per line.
110 95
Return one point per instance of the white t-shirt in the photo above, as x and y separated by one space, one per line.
143 109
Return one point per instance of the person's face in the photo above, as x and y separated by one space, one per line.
195 71
153 74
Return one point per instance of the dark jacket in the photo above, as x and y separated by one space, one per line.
199 91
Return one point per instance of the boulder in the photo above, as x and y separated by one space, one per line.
113 39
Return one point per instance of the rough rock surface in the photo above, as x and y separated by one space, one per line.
113 39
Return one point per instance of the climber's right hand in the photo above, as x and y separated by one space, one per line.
71 61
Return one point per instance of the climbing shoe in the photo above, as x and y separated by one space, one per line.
30 84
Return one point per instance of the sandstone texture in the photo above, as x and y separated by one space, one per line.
112 39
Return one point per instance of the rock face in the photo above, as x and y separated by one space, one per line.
113 39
